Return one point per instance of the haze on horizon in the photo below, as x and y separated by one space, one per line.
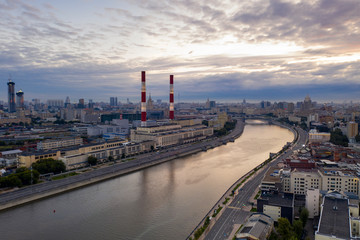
261 50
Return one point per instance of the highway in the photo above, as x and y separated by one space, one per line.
44 189
235 213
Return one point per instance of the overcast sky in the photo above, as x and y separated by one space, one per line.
217 49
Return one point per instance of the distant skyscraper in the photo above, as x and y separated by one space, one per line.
11 96
67 101
113 101
307 103
81 103
20 99
58 103
91 103
150 103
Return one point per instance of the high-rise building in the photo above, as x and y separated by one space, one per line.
81 103
91 103
11 96
57 103
67 101
307 103
20 99
352 130
113 101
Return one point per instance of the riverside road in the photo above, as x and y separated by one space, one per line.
142 161
234 214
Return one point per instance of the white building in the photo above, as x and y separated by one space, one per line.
312 203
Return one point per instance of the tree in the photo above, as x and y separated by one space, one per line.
14 181
49 165
298 228
304 214
26 178
284 228
357 138
111 158
338 138
92 160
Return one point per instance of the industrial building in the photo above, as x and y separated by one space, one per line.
173 134
77 156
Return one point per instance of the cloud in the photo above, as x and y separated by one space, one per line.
220 48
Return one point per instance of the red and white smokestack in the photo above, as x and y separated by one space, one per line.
143 99
171 110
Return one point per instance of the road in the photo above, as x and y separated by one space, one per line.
141 161
235 213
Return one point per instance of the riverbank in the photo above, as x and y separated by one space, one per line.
48 189
205 226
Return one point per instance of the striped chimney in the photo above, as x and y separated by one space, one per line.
171 110
143 99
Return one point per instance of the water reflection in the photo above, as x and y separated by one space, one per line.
162 202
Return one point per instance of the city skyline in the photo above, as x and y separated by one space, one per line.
257 50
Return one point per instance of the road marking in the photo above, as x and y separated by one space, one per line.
234 208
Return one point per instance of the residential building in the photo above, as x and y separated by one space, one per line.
59 143
318 137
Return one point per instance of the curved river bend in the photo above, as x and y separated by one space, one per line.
162 202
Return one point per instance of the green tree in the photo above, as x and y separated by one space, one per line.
25 177
357 138
338 138
14 181
304 214
284 228
273 236
92 160
49 165
298 228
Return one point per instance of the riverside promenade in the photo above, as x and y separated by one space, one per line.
234 212
106 171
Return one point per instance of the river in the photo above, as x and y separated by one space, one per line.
162 202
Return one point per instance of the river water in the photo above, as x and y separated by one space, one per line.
162 202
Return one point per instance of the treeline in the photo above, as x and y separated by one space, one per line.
22 176
49 165
228 126
338 138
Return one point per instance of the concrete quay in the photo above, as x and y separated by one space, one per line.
47 189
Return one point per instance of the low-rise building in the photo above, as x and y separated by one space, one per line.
77 156
168 135
59 143
318 137
339 218
277 205
258 226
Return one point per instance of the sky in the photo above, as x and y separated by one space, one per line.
224 50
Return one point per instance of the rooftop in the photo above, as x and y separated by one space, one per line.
279 199
334 219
